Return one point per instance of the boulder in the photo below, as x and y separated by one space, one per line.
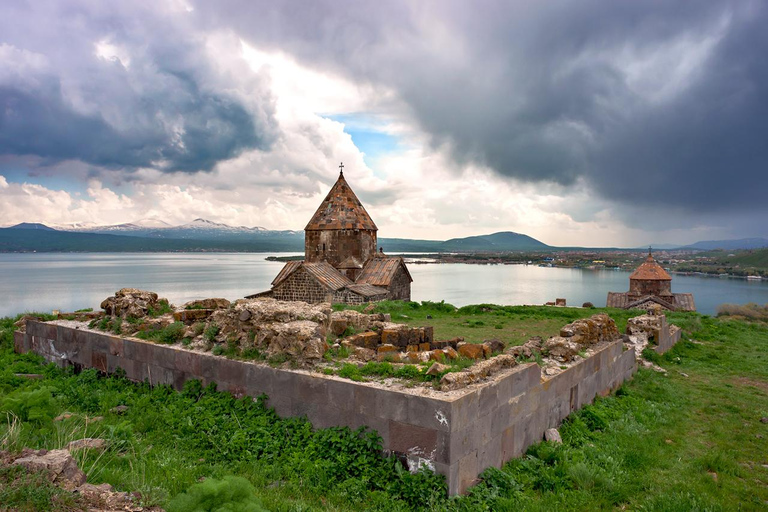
471 350
451 353
592 330
130 302
553 435
59 465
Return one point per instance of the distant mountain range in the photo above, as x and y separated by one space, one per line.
156 235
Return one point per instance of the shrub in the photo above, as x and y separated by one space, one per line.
750 311
211 332
229 494
35 405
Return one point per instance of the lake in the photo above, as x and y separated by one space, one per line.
47 281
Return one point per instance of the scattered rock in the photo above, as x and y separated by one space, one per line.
370 308
495 345
553 435
763 420
364 354
31 376
450 353
244 316
429 317
668 441
437 369
437 355
63 416
90 443
120 409
60 466
527 350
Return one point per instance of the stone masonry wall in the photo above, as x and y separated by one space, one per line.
400 287
301 286
457 435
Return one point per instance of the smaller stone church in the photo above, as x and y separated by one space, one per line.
341 263
650 286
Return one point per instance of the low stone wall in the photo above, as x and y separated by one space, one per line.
669 335
458 434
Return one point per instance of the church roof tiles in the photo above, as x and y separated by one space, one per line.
649 270
341 209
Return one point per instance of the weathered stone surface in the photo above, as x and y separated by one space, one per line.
370 339
476 372
553 435
120 409
90 443
244 316
386 351
215 303
562 348
60 466
592 330
364 354
300 338
192 315
471 350
529 349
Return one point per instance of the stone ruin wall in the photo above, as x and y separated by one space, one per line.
458 434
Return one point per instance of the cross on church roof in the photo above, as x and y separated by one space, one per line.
341 169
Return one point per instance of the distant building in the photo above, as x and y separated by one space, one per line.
650 284
341 263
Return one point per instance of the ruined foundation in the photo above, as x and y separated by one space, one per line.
457 433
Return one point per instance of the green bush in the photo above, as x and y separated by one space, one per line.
230 494
34 405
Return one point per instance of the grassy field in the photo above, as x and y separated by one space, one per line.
513 325
690 440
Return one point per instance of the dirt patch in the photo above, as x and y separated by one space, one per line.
759 384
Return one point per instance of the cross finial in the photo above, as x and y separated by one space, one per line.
341 169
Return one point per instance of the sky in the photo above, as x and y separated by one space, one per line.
591 123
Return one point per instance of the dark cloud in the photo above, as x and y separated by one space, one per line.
653 103
152 98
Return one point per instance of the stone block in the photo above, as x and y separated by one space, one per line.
390 337
490 454
188 362
116 347
450 353
366 402
429 334
471 351
488 398
18 342
370 340
464 411
412 348
437 355
159 376
424 347
412 440
99 361
42 329
468 471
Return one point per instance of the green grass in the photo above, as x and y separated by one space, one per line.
513 325
654 446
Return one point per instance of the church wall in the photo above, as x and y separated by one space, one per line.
649 287
336 245
301 286
400 287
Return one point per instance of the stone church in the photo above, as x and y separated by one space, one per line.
341 263
650 284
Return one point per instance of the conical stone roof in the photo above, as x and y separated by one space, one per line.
649 270
341 209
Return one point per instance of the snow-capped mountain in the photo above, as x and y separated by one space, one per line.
199 229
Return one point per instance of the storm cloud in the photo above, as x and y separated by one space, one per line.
122 87
651 103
